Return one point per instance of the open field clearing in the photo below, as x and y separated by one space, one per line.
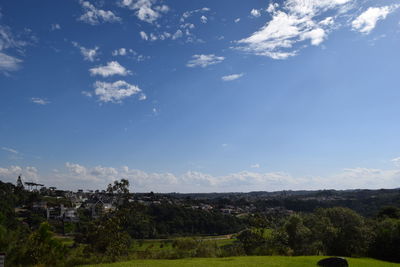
249 261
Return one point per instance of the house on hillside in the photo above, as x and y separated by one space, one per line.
100 207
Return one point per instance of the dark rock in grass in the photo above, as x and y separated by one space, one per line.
333 262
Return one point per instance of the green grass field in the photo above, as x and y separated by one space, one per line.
160 244
271 261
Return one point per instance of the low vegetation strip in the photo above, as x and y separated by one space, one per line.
247 261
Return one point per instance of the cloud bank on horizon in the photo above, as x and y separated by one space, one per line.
164 83
78 176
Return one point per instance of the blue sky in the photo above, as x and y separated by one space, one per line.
201 96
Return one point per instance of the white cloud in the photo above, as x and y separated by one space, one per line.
9 63
120 52
272 7
203 19
13 151
76 169
79 176
190 181
55 27
8 41
112 68
96 16
11 173
178 34
142 97
89 54
145 10
161 36
352 178
396 161
128 53
87 93
327 21
116 92
204 60
187 26
294 23
125 52
188 14
255 166
313 7
366 22
255 13
237 20
153 37
162 8
231 77
39 101
316 36
144 35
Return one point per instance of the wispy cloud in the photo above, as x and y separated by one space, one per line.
231 77
95 16
128 52
367 21
204 60
155 111
255 13
203 19
13 151
9 42
55 27
122 52
9 63
39 101
112 68
293 23
116 92
190 13
89 54
144 35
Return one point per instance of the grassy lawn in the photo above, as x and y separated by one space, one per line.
272 261
160 244
68 241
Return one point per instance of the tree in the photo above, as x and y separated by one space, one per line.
252 240
386 244
299 236
108 237
120 189
43 248
389 212
341 230
20 185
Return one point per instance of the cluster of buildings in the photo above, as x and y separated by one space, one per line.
69 206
